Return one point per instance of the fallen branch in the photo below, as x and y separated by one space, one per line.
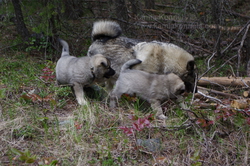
220 93
210 97
225 81
239 50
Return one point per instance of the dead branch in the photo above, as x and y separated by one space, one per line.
235 14
239 50
224 64
210 97
220 93
225 81
236 36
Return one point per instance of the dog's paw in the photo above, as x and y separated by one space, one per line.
82 101
161 117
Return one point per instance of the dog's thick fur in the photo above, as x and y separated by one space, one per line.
81 72
154 88
156 57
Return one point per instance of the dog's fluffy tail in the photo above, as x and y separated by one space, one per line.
129 64
65 49
105 30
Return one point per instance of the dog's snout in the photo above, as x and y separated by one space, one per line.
110 73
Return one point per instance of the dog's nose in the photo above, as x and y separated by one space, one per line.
110 73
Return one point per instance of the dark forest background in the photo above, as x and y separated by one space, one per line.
214 31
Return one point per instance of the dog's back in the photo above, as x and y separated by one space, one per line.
65 49
129 64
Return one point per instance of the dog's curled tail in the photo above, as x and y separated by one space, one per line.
129 64
65 49
105 30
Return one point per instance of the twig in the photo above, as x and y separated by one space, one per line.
195 87
239 50
205 72
224 64
210 97
220 93
236 36
244 82
208 62
217 46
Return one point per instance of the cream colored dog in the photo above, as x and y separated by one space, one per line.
81 72
153 88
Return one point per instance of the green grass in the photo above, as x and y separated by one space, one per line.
50 127
57 130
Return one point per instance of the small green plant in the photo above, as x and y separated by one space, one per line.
36 44
25 156
25 132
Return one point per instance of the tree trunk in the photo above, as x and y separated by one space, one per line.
245 52
134 6
20 25
121 12
216 19
73 9
149 4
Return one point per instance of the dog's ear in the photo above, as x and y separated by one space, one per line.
105 64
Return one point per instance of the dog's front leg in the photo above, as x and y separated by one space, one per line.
112 103
79 93
156 105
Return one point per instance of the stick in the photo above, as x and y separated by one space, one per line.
210 97
239 50
220 93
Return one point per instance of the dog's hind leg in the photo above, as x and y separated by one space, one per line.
114 97
79 93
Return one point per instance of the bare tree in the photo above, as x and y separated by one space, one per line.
134 6
19 21
149 4
121 12
216 19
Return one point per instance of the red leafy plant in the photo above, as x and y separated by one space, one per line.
138 125
48 74
227 112
204 123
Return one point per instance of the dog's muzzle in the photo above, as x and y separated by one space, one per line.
110 73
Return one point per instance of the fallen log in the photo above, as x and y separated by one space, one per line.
224 81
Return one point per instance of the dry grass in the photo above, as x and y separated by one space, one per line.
56 130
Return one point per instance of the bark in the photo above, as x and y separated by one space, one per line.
149 4
121 12
20 25
134 6
225 81
216 16
246 52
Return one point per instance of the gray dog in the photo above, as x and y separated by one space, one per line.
156 57
81 72
153 88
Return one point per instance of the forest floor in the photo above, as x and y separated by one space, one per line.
42 124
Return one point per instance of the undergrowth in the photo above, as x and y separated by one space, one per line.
41 124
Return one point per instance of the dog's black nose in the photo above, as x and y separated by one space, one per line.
110 73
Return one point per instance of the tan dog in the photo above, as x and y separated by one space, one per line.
81 72
156 57
153 88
